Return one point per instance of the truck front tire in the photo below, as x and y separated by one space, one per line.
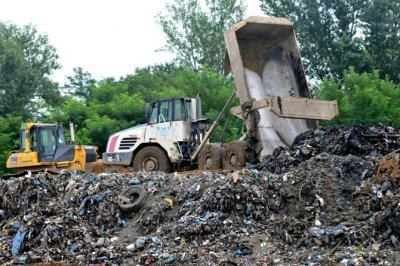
151 158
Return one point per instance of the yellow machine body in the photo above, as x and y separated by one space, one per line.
43 146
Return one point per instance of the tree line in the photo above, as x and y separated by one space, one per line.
350 50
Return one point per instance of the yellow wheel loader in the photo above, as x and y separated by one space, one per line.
43 146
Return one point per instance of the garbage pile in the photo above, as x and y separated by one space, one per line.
50 217
331 198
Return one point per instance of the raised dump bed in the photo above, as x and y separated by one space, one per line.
265 61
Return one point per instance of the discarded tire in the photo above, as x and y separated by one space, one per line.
235 155
139 195
210 157
152 158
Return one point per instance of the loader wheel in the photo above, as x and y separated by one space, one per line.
137 194
210 157
151 159
235 155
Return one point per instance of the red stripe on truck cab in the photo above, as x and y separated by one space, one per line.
112 143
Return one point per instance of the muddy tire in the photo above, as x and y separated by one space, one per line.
210 158
152 158
139 195
235 155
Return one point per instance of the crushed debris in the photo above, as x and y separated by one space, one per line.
332 198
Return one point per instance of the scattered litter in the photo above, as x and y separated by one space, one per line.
332 198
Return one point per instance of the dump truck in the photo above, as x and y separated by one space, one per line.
275 106
43 146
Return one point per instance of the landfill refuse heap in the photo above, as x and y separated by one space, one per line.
332 198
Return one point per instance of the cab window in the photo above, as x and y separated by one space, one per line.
188 105
48 139
153 115
165 112
179 110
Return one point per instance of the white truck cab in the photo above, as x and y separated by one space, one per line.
174 128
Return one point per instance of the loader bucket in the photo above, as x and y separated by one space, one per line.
263 56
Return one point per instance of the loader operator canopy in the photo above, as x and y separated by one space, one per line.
42 139
176 109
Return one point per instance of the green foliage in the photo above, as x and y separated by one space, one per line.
194 31
26 62
80 84
381 24
334 35
363 98
99 128
9 138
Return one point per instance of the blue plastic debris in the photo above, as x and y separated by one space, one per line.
18 241
243 251
316 231
338 230
123 223
134 182
100 197
150 183
37 183
206 216
16 225
170 259
91 179
82 212
155 240
74 248
374 199
193 190
249 208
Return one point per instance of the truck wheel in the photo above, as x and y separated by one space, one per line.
139 195
235 155
151 158
210 158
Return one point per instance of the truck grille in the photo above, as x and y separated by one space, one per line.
127 143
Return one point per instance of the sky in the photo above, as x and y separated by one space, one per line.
106 38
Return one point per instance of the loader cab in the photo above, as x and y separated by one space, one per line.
44 139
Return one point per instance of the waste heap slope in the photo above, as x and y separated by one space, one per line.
332 197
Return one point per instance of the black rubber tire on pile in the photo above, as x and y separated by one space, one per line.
210 158
141 196
152 158
235 155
